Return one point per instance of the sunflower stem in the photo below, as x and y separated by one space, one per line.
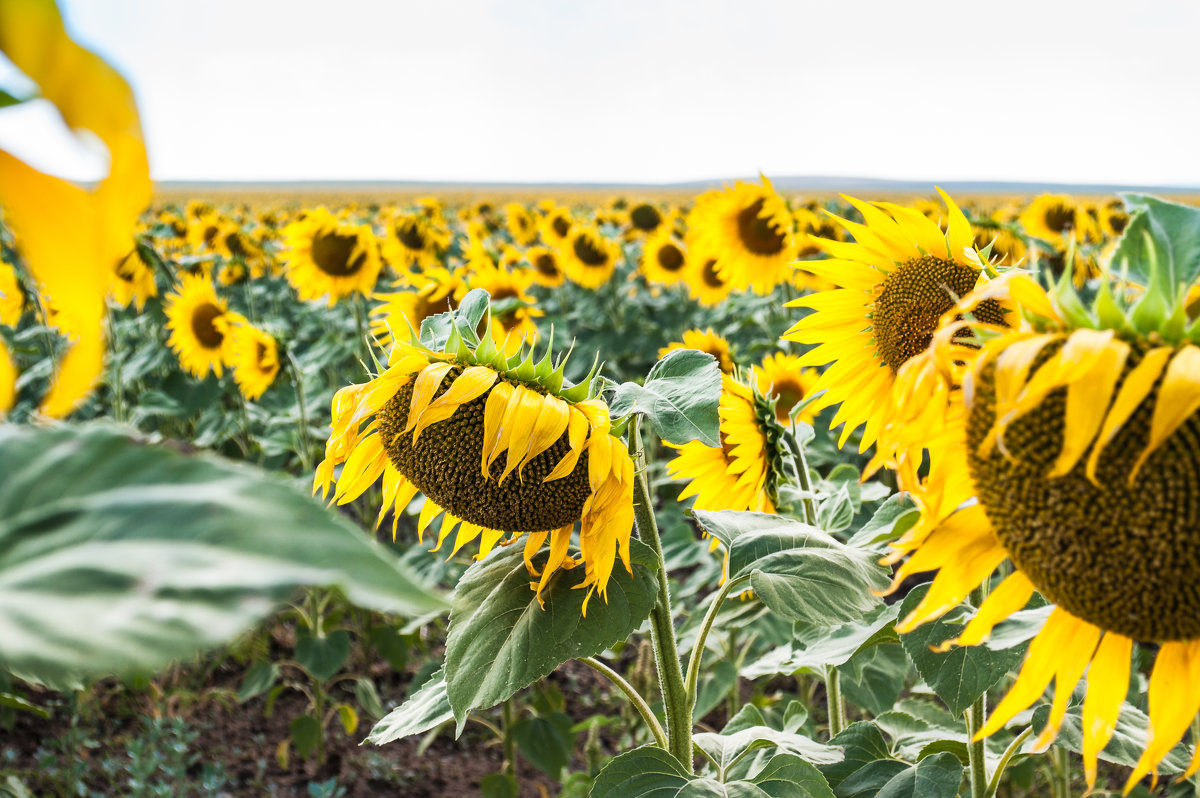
508 718
833 697
662 628
693 671
994 785
809 504
302 421
635 698
976 717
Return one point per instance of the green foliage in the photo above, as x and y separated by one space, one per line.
164 554
679 398
653 773
426 709
500 640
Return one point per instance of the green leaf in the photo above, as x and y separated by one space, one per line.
724 750
822 586
647 772
893 518
21 704
546 742
1174 231
728 526
499 785
874 678
117 555
324 656
815 646
368 697
260 678
500 640
936 776
388 642
789 776
862 743
867 781
679 398
963 673
8 99
428 708
305 732
716 682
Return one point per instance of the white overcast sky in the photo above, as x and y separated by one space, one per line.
652 90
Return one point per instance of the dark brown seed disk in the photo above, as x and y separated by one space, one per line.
757 234
1126 559
203 327
669 257
445 465
546 264
331 253
912 299
409 233
645 217
588 253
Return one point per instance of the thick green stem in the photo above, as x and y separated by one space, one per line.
1062 772
635 698
1009 753
808 502
693 671
976 717
662 627
833 697
510 743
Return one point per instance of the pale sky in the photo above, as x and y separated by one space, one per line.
650 91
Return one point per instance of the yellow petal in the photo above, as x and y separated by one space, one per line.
428 512
577 429
560 539
1108 682
1136 387
493 423
532 544
958 229
1174 696
1178 399
1071 665
470 385
520 422
425 386
1010 596
550 426
1087 400
8 382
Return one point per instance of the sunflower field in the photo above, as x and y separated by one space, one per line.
727 493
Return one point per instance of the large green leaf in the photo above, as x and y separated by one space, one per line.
963 673
647 772
650 772
815 646
1127 743
500 640
679 398
936 776
862 744
119 555
428 708
724 750
789 776
1165 234
821 586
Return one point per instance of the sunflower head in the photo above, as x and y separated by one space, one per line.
200 325
326 256
255 357
500 445
786 383
589 258
545 266
704 341
664 258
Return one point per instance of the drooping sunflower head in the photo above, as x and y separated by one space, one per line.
743 472
704 341
255 356
750 231
785 382
588 257
896 280
200 325
328 257
663 258
500 446
1078 460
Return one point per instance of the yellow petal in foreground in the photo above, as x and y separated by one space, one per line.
1178 398
1174 701
1108 681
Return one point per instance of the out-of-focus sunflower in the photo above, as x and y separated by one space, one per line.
500 449
205 227
513 308
520 223
750 231
742 473
1113 218
1076 459
237 245
200 325
325 257
1007 247
556 225
255 360
664 258
434 291
134 281
645 219
704 341
703 279
782 378
414 240
12 299
896 280
1055 218
588 257
544 265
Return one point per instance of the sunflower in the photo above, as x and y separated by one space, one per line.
1077 460
514 324
1007 248
556 225
741 473
545 266
255 360
497 444
134 282
704 341
436 291
588 258
895 282
645 219
521 225
1056 219
663 258
703 278
204 227
415 240
784 380
200 325
12 299
324 256
1113 219
750 231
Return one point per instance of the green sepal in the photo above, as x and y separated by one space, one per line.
584 390
1109 313
1068 301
